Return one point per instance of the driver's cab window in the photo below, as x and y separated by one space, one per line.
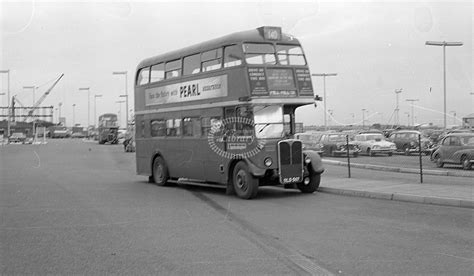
239 121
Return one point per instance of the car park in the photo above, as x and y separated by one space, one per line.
374 143
310 141
456 148
407 141
335 144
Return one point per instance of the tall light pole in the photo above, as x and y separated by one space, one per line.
95 108
324 75
120 110
412 110
73 115
59 113
331 113
397 109
444 44
88 107
126 93
363 118
8 100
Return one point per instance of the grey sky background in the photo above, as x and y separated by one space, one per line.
375 47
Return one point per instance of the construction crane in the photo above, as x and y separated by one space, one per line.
41 99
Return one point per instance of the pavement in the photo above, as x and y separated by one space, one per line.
425 193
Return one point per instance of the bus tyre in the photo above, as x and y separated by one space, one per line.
312 186
160 171
245 184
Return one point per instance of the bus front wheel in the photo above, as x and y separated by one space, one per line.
160 171
312 186
245 184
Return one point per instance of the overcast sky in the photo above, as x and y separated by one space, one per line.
375 47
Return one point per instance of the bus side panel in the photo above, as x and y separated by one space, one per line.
185 157
143 157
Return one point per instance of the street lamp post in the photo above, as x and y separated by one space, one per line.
444 44
120 110
8 100
324 75
363 118
397 109
126 93
59 112
95 108
88 108
412 110
73 115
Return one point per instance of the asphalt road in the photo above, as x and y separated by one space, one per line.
78 208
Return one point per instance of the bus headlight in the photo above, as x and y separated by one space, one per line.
268 161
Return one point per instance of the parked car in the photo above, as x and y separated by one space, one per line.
29 140
17 137
373 143
407 141
310 141
335 144
78 135
456 148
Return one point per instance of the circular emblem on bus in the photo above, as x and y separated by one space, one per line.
234 138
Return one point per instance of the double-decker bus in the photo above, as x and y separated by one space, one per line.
108 128
223 113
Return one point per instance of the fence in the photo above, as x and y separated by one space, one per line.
454 156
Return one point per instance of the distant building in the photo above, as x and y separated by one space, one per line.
468 121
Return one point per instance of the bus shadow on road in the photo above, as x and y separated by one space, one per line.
265 192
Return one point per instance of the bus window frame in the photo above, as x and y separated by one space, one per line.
163 70
139 74
199 63
179 69
288 55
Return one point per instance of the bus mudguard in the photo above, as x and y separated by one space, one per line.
316 162
254 170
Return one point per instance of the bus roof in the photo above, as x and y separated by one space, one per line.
254 35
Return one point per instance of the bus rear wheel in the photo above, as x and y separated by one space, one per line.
160 171
312 186
245 184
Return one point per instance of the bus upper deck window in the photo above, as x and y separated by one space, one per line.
259 53
143 76
157 72
211 60
290 55
173 69
192 65
232 56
